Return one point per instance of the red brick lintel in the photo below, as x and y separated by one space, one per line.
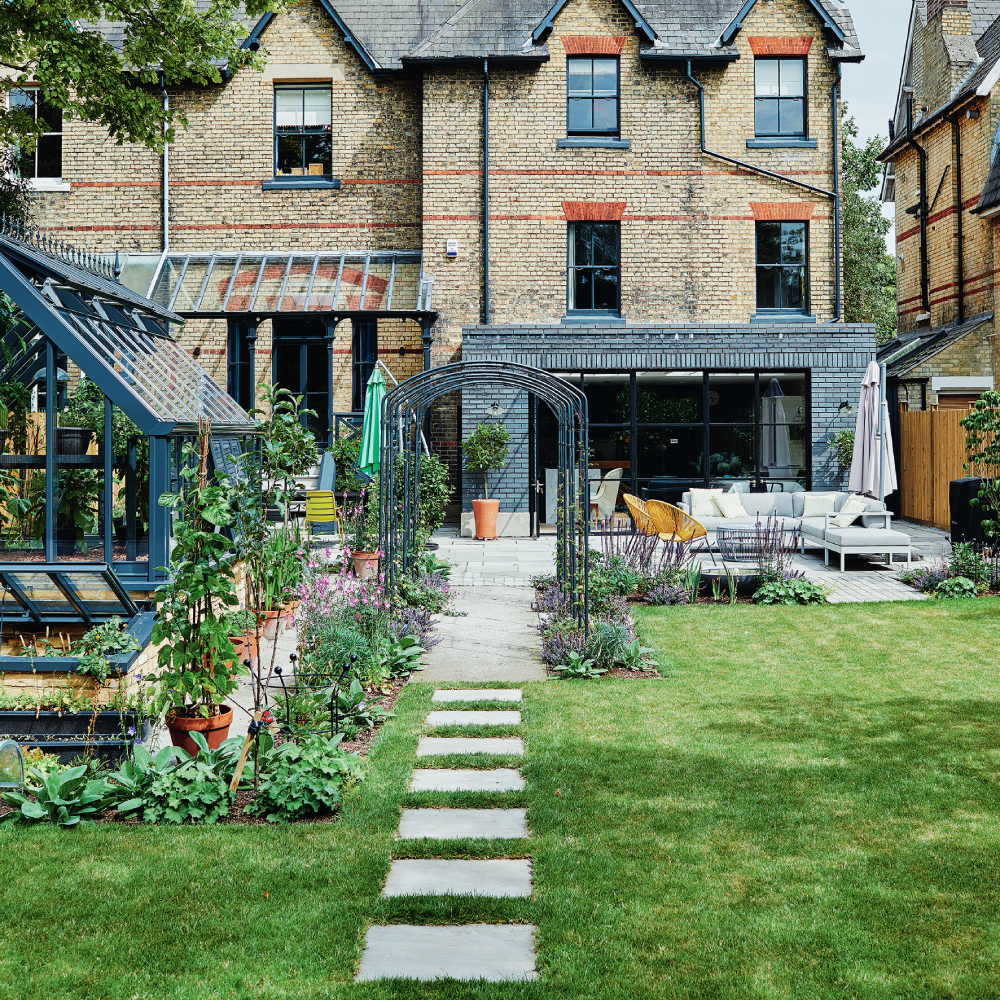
784 211
594 211
780 46
584 45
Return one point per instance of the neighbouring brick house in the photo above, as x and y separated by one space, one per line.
943 175
656 221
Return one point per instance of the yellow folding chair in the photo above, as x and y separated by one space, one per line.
321 508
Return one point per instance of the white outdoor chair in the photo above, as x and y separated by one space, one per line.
606 497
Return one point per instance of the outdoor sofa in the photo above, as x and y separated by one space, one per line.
870 534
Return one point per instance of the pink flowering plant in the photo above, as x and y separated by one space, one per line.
360 526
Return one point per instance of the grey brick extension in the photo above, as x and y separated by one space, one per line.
834 355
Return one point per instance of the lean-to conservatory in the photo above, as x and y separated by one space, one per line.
96 400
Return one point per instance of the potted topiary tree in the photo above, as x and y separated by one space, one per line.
486 451
197 660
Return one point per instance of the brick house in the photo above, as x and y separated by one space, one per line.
656 221
944 177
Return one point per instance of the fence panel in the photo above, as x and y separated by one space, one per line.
932 454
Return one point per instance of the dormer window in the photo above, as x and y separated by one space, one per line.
780 98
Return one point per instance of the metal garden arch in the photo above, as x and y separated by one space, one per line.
403 413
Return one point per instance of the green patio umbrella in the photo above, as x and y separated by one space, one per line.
371 432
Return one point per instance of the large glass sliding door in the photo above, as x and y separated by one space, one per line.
669 431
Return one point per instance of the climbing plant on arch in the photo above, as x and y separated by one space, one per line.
403 414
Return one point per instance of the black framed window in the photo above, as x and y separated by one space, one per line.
364 351
45 160
782 262
302 132
594 268
592 96
301 364
239 364
780 97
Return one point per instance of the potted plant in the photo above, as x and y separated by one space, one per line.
197 660
486 451
241 627
360 527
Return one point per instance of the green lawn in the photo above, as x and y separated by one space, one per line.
804 807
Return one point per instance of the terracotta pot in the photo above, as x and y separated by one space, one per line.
245 645
486 518
365 564
215 729
273 623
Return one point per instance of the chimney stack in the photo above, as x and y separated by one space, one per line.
935 7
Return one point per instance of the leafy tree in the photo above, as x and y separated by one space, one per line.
869 270
53 43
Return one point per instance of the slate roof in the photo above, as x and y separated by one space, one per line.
903 356
391 32
982 12
682 28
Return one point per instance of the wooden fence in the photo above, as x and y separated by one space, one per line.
931 454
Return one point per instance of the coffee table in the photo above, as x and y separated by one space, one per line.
737 545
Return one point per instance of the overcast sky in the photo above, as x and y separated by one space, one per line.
870 87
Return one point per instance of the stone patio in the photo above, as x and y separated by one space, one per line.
511 562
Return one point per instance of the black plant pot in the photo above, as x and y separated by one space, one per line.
73 440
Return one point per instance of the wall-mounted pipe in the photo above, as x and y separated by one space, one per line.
835 106
486 192
753 168
925 284
956 129
166 166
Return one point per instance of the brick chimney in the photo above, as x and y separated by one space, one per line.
949 51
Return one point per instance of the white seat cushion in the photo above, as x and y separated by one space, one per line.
729 505
869 537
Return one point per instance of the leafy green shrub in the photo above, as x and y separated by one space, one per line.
966 562
577 668
332 645
842 446
403 656
190 793
99 643
429 591
795 591
637 657
240 622
65 798
345 453
957 586
435 493
306 780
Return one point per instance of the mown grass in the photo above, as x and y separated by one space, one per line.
806 806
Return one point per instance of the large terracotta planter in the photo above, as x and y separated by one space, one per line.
486 512
245 646
215 729
272 623
365 564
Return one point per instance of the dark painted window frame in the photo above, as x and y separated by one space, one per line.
278 180
800 139
767 312
600 314
610 137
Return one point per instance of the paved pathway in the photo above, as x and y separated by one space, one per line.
493 638
492 952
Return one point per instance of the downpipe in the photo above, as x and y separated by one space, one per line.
834 195
835 131
925 298
486 192
166 166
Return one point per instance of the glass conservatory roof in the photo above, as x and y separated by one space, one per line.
218 284
120 339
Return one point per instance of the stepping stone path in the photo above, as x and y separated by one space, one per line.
491 952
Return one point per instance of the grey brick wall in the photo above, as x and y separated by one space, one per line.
835 356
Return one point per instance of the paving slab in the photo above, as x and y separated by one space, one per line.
457 824
437 746
459 878
480 694
500 779
492 638
497 718
492 952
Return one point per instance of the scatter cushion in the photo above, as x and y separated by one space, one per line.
702 504
729 505
818 504
853 506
